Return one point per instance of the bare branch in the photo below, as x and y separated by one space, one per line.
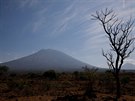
120 40
118 33
110 59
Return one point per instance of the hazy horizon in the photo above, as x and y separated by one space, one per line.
26 26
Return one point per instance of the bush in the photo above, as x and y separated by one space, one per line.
76 75
125 80
50 74
32 75
92 77
3 70
107 81
83 76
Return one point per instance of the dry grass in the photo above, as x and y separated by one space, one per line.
38 88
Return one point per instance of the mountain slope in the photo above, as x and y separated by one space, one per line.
45 60
129 66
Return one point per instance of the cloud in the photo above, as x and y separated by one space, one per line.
63 19
28 3
77 16
94 36
58 20
71 17
95 29
38 24
63 24
93 33
38 21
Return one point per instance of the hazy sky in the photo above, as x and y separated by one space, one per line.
27 26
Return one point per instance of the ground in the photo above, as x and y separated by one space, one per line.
65 87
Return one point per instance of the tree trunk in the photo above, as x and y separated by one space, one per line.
117 86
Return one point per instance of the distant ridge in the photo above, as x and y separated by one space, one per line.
128 66
46 59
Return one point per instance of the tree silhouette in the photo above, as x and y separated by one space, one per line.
120 38
3 69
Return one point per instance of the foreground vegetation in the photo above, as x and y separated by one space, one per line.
88 85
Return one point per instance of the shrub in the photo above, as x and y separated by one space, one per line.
107 80
125 80
50 74
3 70
76 74
32 75
92 76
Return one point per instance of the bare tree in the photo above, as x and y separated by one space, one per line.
120 38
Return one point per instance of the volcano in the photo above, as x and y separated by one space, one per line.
46 59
